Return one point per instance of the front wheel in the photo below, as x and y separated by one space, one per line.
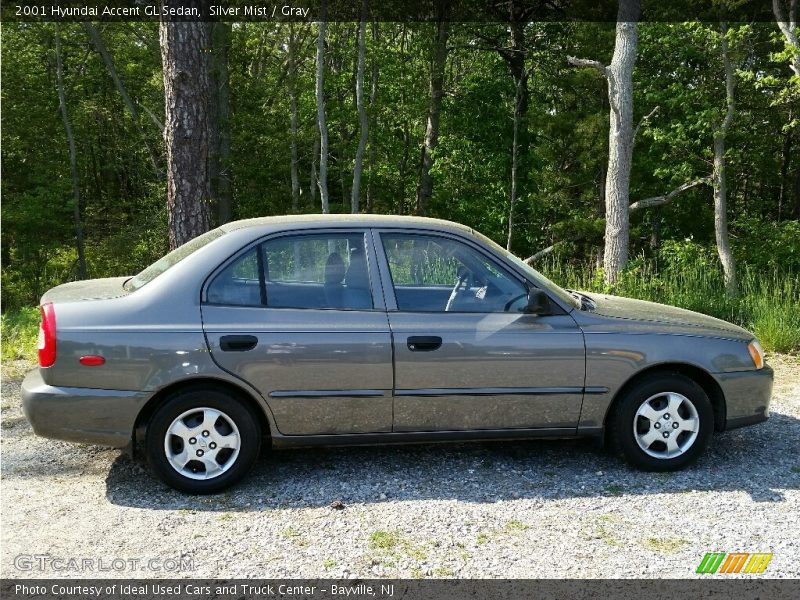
663 423
202 441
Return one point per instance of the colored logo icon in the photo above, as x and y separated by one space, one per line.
734 562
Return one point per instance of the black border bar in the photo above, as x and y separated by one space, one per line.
709 587
380 10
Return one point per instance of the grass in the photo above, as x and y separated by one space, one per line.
615 490
768 303
19 334
665 545
514 526
384 540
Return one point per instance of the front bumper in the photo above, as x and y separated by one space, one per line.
104 417
747 395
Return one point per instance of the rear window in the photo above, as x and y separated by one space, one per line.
170 260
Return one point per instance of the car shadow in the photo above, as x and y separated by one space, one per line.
761 460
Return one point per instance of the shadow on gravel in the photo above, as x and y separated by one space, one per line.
760 460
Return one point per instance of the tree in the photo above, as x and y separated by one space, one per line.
220 121
186 94
373 95
789 31
425 186
291 58
362 111
73 162
100 46
619 75
323 126
719 176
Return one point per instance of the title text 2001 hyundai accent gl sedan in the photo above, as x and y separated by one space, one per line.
371 329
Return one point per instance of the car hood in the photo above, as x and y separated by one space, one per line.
88 289
670 317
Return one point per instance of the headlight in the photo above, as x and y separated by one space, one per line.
756 353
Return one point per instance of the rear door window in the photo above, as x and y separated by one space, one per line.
320 271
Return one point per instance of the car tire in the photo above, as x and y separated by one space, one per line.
662 423
220 434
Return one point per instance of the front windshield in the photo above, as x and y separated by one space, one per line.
541 280
171 259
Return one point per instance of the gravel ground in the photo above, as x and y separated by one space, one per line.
523 509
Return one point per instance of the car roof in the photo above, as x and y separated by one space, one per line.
317 221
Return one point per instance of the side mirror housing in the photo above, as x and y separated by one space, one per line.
538 302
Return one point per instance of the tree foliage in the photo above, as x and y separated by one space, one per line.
561 177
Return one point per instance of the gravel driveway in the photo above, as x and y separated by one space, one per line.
522 509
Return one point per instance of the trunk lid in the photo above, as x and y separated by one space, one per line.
88 289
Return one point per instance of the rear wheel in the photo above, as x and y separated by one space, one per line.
663 423
202 441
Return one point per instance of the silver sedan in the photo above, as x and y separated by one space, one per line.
359 329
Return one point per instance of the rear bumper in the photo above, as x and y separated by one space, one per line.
104 417
747 395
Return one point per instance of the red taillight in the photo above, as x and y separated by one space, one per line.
47 336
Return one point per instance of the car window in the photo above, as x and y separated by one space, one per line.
436 274
303 271
170 260
541 281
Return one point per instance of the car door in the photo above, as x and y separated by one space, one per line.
466 355
299 316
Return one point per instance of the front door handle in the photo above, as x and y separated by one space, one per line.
424 343
237 343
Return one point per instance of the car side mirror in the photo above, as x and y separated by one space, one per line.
538 302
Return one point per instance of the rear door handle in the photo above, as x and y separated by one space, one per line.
424 343
237 343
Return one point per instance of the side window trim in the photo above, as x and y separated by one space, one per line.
385 272
262 279
375 283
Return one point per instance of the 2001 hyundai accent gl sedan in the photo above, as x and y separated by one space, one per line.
309 330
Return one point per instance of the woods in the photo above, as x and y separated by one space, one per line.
600 148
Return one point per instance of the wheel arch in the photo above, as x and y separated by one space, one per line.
697 374
150 407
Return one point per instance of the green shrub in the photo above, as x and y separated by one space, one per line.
20 330
688 275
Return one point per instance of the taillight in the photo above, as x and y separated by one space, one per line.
47 336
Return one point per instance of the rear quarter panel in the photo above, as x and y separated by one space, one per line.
150 337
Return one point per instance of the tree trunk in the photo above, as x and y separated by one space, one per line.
786 159
789 31
514 160
519 149
313 181
362 111
425 187
219 121
323 126
183 54
292 81
796 211
73 159
401 194
373 96
99 44
620 140
719 176
655 232
619 76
